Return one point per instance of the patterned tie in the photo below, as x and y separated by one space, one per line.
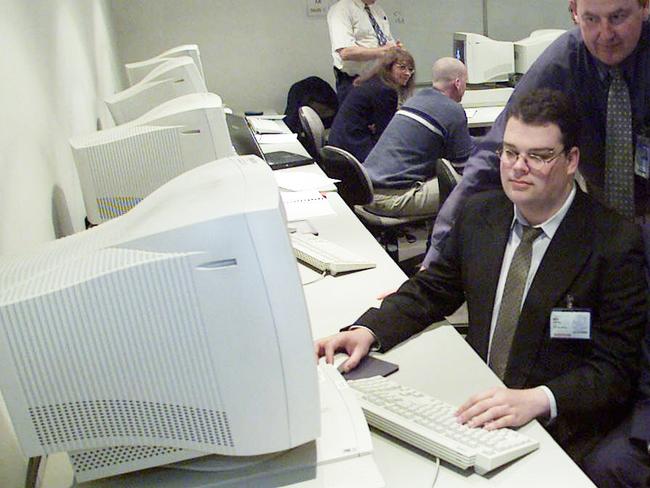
381 37
511 300
619 166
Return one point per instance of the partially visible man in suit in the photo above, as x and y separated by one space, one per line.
622 459
554 285
604 66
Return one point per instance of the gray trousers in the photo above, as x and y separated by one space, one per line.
420 199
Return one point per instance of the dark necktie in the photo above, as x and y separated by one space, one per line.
381 37
510 308
619 166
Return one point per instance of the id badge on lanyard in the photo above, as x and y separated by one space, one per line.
570 322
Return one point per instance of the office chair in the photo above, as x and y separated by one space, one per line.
448 178
356 190
314 130
314 92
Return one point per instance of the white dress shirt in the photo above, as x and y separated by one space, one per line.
349 25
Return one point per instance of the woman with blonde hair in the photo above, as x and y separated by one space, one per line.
371 104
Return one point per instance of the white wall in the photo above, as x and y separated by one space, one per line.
252 50
58 60
511 20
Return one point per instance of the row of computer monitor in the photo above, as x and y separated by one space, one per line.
489 60
174 330
167 122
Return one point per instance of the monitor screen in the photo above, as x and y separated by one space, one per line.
459 50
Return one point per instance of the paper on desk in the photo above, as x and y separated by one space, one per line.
302 205
271 116
470 112
276 138
302 180
267 126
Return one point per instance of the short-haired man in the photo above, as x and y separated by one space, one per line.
429 126
360 34
613 36
539 249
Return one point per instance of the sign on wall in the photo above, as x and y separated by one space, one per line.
318 8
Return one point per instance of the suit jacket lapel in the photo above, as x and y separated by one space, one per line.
563 260
492 237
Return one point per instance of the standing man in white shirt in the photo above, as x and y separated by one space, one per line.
360 34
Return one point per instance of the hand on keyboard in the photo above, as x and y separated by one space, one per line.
430 424
356 343
503 407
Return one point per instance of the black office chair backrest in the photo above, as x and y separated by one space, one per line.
316 93
448 178
314 130
355 186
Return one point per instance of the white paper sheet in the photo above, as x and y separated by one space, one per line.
302 205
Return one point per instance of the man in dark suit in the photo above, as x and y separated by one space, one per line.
554 286
622 459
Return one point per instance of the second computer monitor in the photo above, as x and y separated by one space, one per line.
529 49
486 60
118 167
138 70
172 79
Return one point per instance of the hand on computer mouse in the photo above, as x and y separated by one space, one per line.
356 343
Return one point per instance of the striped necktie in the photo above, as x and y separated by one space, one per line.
381 37
513 293
619 165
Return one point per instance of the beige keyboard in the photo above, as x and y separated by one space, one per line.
429 424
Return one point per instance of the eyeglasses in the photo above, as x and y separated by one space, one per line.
615 19
536 160
403 67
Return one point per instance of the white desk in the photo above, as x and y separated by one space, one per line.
438 361
482 116
483 106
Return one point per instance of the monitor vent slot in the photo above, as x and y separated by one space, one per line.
62 424
92 460
146 160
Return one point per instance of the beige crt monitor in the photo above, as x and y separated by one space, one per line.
138 70
529 49
173 78
486 60
120 166
177 330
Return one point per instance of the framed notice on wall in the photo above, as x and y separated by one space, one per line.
317 8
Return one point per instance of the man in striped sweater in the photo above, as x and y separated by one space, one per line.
430 125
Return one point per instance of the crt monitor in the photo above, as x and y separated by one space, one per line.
527 50
486 60
120 166
136 71
174 331
172 79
